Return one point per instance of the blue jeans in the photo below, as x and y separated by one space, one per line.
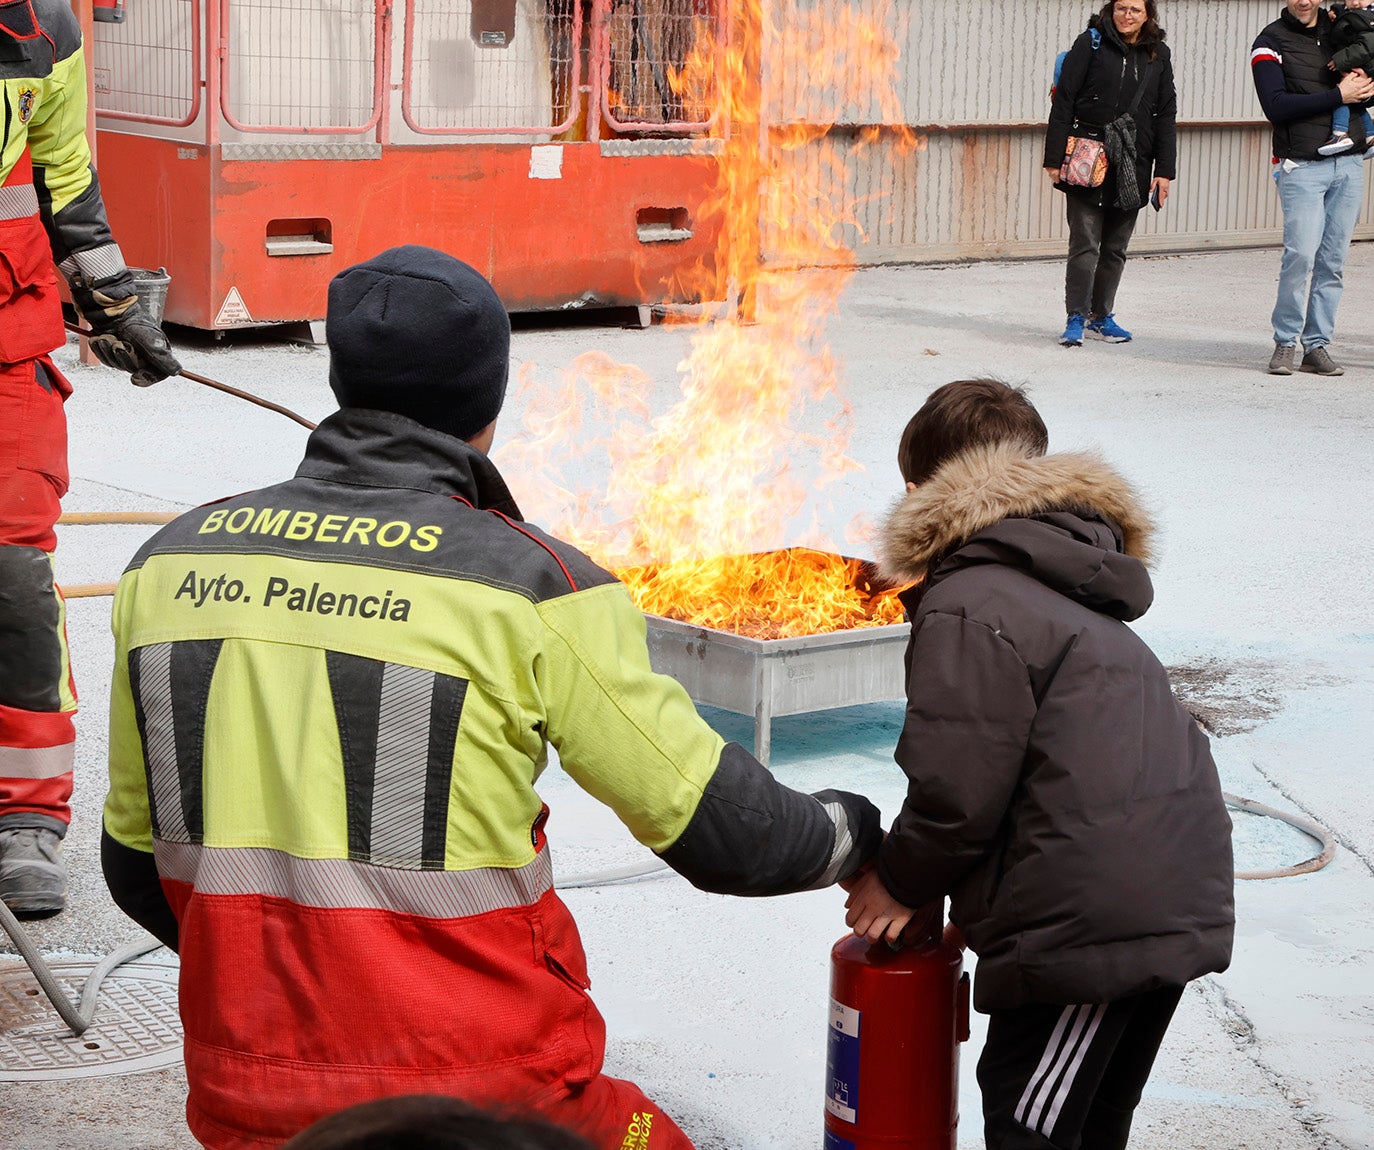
1340 122
1321 201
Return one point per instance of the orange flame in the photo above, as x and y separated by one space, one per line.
777 595
693 496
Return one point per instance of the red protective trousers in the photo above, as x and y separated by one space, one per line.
37 697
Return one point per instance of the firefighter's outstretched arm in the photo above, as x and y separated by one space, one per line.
102 288
709 809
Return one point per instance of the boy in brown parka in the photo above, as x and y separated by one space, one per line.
1058 793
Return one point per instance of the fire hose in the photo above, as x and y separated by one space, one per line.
79 1016
1308 827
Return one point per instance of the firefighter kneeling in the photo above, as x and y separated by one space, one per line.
333 817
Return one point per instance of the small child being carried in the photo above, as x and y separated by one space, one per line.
1352 37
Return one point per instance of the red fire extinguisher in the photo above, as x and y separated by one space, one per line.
896 1020
109 11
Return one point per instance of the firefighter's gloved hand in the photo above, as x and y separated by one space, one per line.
125 337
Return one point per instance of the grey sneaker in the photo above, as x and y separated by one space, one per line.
1319 362
1281 362
33 873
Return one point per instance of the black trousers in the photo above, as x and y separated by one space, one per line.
1070 1077
1098 237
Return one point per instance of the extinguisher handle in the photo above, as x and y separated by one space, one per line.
923 926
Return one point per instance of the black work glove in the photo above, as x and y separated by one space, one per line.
124 336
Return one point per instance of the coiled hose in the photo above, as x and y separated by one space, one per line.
78 1016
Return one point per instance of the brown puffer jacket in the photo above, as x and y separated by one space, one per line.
1058 793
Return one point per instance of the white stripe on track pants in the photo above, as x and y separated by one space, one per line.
1070 1077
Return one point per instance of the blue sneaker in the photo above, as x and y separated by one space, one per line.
1107 328
1073 331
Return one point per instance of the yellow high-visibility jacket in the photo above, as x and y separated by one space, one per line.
332 701
47 183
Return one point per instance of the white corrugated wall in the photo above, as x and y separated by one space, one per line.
973 85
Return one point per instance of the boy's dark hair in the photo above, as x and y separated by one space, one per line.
963 414
430 1122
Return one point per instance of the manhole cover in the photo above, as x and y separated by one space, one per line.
136 1026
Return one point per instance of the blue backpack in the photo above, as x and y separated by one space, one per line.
1096 37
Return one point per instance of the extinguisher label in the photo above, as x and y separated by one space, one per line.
834 1142
842 1064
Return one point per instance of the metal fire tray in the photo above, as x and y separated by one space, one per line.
771 677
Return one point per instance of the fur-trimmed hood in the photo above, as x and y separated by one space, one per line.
984 486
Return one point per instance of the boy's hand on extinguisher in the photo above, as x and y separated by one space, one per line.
850 882
874 914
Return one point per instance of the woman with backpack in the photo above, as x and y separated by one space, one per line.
1111 144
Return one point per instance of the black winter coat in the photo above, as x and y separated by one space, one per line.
1352 38
1058 793
1096 85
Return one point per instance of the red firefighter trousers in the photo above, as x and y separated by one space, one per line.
37 697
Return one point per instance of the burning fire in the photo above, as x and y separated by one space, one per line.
777 595
698 501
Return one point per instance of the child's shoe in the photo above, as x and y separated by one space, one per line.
1338 143
1073 331
1108 329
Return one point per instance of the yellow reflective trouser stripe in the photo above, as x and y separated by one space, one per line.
66 696
36 762
345 884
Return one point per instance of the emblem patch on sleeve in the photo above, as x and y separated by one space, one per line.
28 100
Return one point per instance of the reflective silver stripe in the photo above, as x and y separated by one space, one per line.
343 884
1062 1094
36 762
398 795
155 693
844 843
96 264
18 202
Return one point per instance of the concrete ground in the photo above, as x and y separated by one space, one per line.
1262 488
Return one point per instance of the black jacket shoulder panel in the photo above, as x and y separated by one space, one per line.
380 490
56 18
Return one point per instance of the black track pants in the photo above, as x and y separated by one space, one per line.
1070 1077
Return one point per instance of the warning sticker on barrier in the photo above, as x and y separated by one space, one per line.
842 1064
233 310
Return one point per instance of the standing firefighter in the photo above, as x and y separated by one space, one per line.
50 209
332 701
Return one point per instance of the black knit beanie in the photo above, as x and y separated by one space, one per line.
422 334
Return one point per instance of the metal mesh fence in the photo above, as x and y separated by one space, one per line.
301 64
469 66
659 62
475 65
148 67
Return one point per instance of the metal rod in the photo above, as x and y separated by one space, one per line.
88 518
224 387
249 396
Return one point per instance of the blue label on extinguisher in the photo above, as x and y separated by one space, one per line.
842 1065
835 1142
